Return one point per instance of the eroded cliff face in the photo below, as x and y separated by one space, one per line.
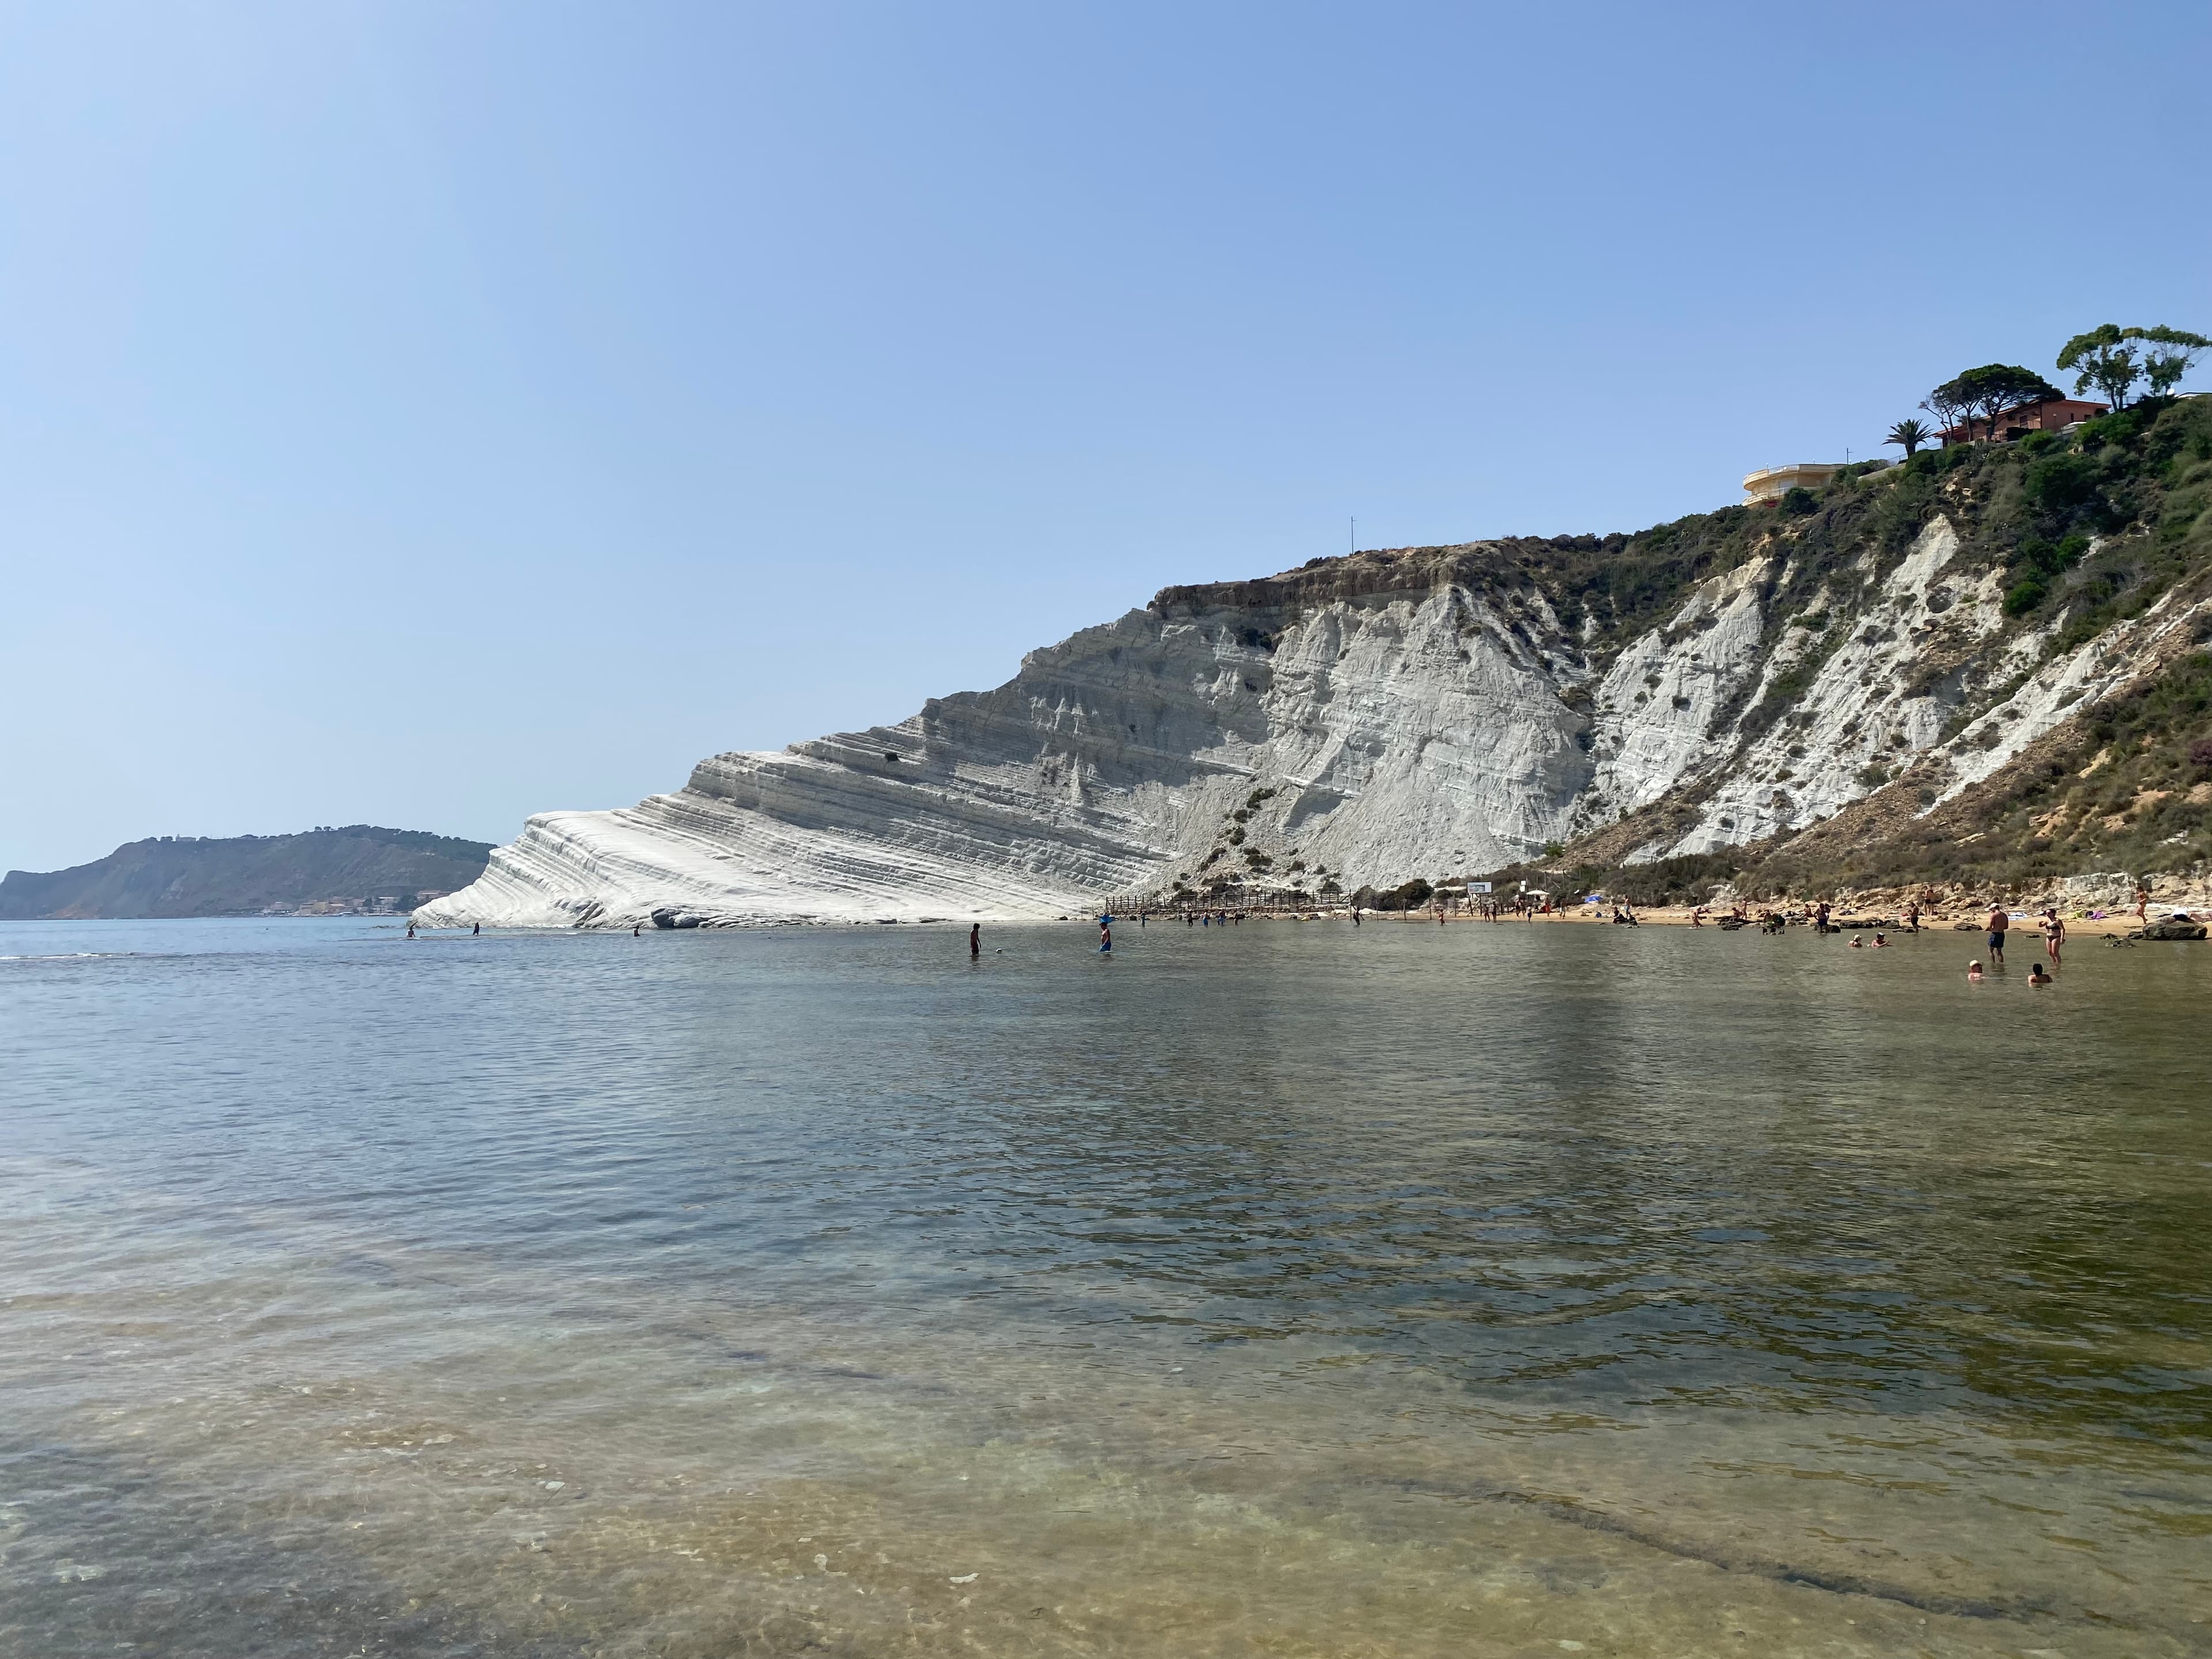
1382 730
1390 714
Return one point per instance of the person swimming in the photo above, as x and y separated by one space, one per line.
1973 970
1879 939
1858 944
2038 975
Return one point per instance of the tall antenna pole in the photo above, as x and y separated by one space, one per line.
1355 535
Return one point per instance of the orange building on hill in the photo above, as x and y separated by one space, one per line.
2052 415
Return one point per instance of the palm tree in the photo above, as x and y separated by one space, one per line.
1912 434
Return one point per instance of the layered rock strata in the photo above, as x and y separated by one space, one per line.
1359 720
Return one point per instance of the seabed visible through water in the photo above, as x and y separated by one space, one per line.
1278 1289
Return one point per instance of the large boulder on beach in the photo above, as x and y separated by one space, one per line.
2172 927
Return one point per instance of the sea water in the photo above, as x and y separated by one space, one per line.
1286 1288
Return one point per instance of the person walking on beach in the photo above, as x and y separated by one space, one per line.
2143 904
2000 922
974 940
2054 932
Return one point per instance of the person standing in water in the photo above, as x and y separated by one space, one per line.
410 927
974 940
474 931
2054 934
1105 935
2000 923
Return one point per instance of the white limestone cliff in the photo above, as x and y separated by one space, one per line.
1374 719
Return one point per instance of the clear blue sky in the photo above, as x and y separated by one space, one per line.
431 414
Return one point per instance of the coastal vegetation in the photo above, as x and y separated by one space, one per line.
2089 528
2107 358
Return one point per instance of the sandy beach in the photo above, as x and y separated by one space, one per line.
1849 921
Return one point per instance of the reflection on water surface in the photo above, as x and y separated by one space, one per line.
1287 1290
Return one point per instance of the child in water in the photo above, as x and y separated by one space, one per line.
2037 975
1974 972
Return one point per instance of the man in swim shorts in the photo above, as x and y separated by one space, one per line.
1999 920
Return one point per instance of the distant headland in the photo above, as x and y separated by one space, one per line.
356 870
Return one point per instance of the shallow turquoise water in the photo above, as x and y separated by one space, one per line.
1285 1290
